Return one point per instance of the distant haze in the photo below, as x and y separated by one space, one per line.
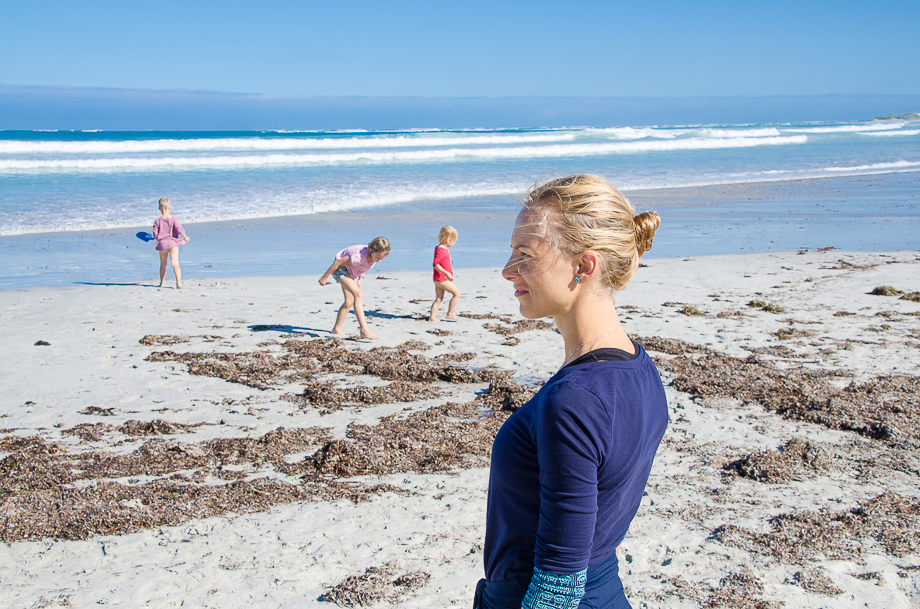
77 108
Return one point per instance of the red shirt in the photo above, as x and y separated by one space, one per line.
442 257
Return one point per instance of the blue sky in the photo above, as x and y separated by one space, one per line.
467 49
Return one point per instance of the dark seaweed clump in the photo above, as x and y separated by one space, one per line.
46 491
739 590
891 519
798 459
519 326
375 585
886 408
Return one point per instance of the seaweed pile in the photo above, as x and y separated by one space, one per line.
739 590
797 460
891 519
47 491
885 408
522 325
376 584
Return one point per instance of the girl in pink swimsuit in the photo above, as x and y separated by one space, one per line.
169 235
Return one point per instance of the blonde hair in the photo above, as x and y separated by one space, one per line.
164 202
448 232
586 212
379 245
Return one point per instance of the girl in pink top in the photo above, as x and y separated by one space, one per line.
444 274
348 270
169 235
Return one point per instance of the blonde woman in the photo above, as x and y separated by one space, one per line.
570 467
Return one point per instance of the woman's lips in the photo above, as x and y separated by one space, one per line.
518 293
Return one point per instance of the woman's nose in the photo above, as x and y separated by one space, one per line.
510 271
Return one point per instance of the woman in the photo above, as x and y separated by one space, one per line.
569 468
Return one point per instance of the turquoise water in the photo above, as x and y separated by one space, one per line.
276 202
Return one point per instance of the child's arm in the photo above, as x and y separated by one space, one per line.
185 239
440 269
338 263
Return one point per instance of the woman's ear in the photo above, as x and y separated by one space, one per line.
587 263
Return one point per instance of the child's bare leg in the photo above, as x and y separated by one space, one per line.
174 259
348 284
339 327
162 267
438 297
448 286
455 298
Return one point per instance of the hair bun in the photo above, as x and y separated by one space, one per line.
646 224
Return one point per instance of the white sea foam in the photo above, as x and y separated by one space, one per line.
764 132
890 133
424 139
270 144
844 128
877 166
399 156
634 133
319 202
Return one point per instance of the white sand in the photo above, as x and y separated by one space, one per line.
292 554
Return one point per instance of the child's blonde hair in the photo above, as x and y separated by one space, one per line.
448 232
379 245
164 202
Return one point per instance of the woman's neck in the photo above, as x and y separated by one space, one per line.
592 324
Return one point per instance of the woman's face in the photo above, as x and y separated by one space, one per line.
543 278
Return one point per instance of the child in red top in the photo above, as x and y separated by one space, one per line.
169 235
444 274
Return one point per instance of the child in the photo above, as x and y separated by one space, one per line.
348 270
444 274
167 230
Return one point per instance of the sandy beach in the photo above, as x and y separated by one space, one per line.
214 447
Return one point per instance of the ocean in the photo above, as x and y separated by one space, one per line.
282 202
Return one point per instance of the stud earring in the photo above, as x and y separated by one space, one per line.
578 280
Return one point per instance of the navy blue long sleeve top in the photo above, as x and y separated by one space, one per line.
569 468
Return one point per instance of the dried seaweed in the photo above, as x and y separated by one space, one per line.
815 581
154 428
376 584
437 439
892 520
96 410
886 408
504 318
670 346
885 290
328 395
797 460
88 432
48 492
740 590
165 339
519 326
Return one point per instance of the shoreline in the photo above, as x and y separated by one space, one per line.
686 194
863 213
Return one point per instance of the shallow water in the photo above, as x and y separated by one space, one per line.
861 213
